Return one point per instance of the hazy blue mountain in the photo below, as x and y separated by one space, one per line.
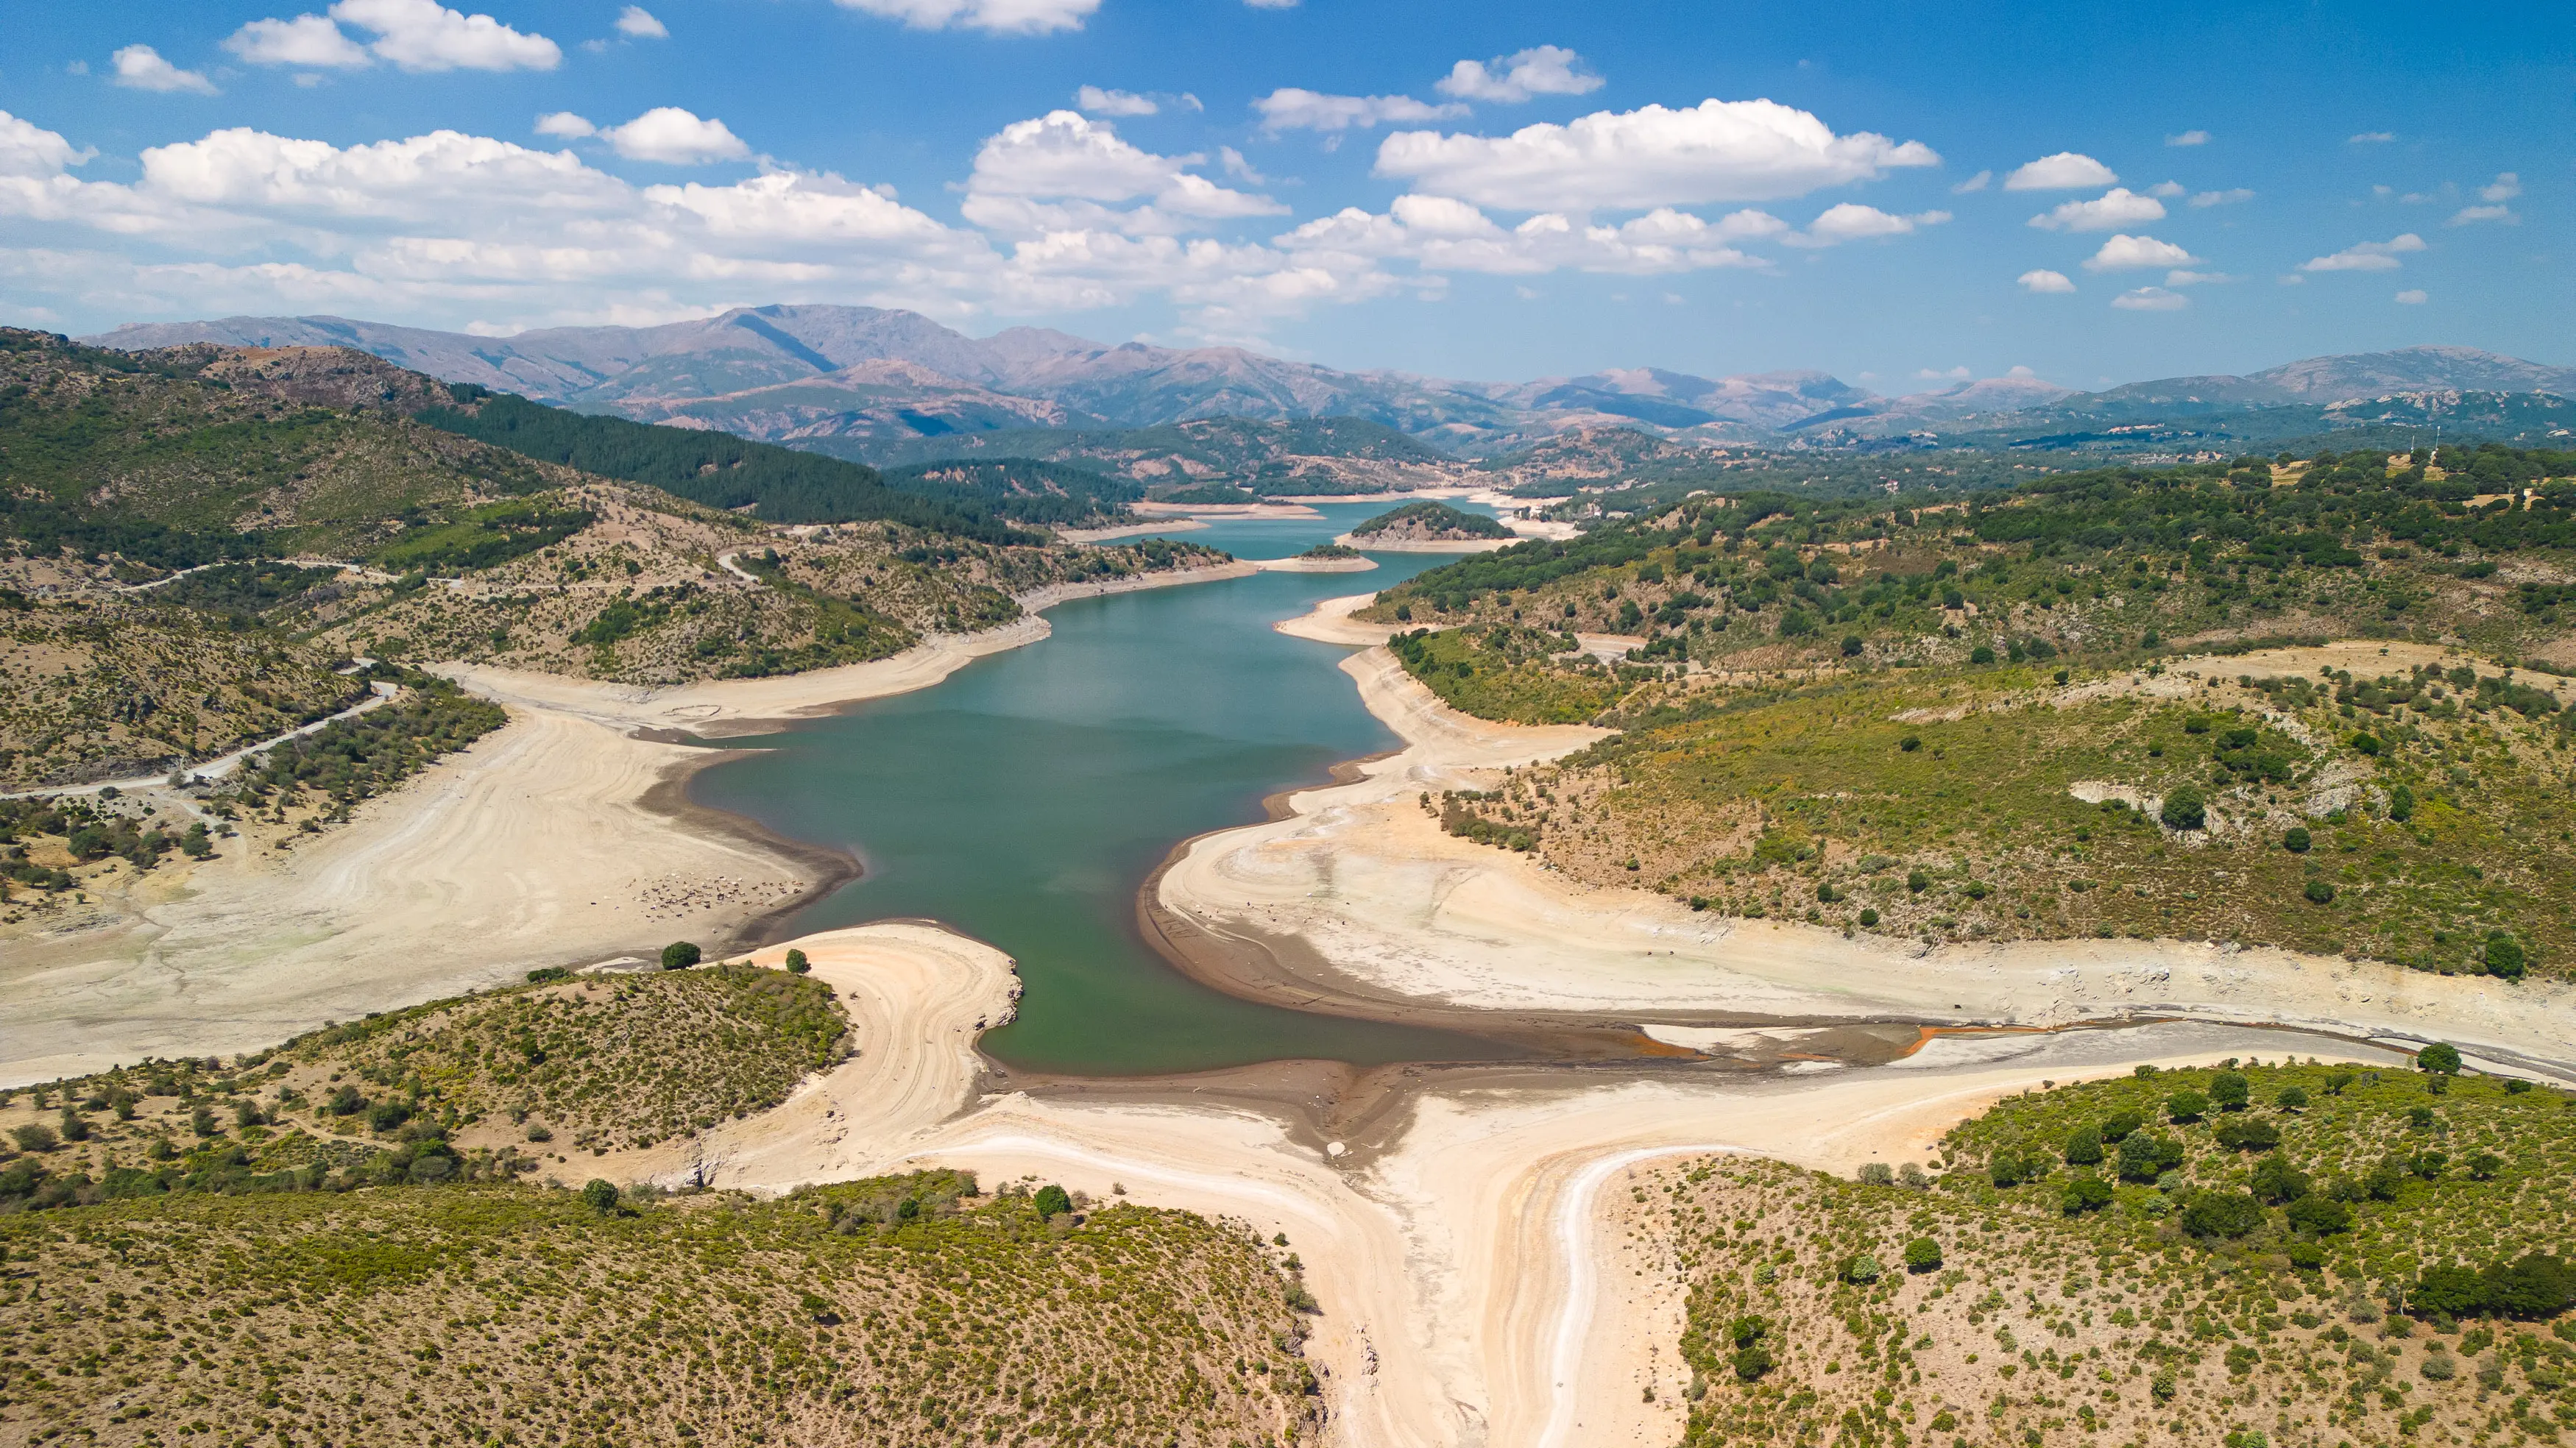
889 384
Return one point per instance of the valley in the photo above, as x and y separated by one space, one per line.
1437 1015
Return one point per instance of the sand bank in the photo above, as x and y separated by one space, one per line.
1134 530
1382 901
1424 545
1316 565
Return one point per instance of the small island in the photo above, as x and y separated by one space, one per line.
1323 558
1429 526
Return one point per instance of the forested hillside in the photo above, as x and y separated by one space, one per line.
2109 703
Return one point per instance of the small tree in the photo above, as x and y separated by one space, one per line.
2230 1090
1052 1201
2184 809
2505 956
797 964
680 955
2318 892
1863 1269
75 1126
2440 1056
2120 1123
1877 1174
2296 841
2087 1193
2185 1107
35 1136
2292 1098
2084 1146
1922 1255
599 1195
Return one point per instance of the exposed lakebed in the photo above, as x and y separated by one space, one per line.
1026 800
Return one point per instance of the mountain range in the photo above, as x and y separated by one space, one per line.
876 384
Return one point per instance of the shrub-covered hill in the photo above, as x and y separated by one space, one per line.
2374 1264
1429 520
1041 494
192 539
484 1085
897 1312
2423 817
2479 547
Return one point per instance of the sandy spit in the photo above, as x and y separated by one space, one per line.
561 838
1365 876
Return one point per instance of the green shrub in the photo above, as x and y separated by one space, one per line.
797 964
2084 1146
1052 1201
2184 809
680 955
599 1195
2222 1214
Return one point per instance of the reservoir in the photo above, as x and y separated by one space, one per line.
1026 799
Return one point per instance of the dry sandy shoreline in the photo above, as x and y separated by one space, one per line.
563 837
1461 1262
1366 881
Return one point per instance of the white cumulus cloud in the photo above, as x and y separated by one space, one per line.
2133 253
2371 138
2471 215
1292 108
674 137
307 40
2228 197
2183 277
1114 102
2044 281
2189 138
1544 70
2150 299
2412 297
1653 156
2504 187
1066 172
1002 17
2064 171
2110 211
2367 256
140 67
419 35
638 23
565 124
1973 183
1851 221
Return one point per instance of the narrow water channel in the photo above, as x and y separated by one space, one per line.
1025 800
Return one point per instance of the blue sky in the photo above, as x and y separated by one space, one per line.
1494 190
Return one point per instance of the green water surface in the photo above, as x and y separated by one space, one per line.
1024 801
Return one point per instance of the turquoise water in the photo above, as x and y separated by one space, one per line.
1024 801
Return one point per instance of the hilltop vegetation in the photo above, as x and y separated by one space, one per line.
2090 564
2243 1254
479 1087
898 1311
1976 723
1429 520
